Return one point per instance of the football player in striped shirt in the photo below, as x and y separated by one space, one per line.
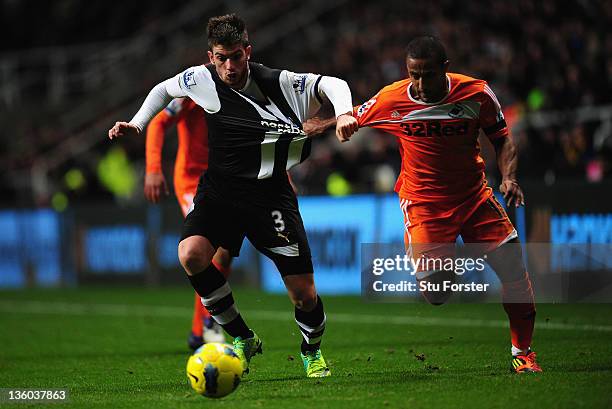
254 117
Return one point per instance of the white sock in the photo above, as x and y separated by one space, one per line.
517 351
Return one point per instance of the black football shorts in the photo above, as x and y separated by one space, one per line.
278 233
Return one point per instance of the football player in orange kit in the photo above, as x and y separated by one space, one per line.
191 161
436 116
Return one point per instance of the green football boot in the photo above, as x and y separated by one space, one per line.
246 349
314 365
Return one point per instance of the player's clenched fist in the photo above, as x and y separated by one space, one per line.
123 129
346 126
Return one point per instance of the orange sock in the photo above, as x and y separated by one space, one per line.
519 304
198 316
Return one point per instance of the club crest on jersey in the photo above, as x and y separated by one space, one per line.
365 107
189 79
457 111
299 83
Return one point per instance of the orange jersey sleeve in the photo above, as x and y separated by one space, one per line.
156 131
492 119
374 111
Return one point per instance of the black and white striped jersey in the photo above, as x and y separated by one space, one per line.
255 133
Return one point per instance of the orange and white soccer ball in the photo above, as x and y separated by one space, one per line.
214 370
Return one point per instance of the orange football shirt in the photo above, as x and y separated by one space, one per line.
438 142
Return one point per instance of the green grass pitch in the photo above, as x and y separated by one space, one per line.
126 348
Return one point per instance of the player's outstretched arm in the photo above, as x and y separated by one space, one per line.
324 119
316 126
507 163
339 94
346 125
121 129
158 98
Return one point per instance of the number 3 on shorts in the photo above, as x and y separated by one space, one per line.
279 223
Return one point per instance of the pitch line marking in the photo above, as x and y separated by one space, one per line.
59 308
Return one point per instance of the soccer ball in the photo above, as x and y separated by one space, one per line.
214 370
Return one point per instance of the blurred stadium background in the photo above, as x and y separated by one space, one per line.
92 297
72 205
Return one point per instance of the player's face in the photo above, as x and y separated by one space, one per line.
428 78
231 63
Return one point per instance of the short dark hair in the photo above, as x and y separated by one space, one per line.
427 47
227 30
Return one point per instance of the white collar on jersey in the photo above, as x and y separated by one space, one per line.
252 89
448 87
